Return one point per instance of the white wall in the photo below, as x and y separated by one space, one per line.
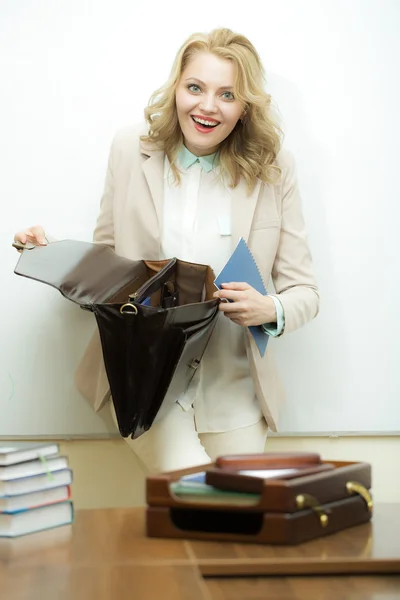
72 72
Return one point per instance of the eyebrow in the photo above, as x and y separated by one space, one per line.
223 87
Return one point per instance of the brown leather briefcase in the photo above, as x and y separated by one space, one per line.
286 511
154 317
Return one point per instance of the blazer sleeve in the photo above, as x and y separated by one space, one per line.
292 272
104 230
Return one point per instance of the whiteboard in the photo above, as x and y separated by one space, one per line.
75 71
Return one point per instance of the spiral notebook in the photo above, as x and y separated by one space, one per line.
242 266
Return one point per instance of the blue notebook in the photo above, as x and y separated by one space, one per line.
241 266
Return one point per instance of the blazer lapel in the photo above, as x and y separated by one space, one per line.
243 207
153 169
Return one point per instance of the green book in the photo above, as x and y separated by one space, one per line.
192 488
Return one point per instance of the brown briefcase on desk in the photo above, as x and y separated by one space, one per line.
154 318
287 511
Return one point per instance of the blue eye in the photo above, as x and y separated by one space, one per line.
193 88
228 96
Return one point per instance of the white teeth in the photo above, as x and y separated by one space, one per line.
203 122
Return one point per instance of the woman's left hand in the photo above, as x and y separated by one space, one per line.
249 307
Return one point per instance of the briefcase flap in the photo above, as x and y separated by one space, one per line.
89 274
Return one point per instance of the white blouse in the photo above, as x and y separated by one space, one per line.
197 228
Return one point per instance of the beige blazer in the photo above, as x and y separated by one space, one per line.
270 220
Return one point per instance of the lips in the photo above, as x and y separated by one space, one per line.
204 125
205 121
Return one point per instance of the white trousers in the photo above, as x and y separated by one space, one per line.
173 442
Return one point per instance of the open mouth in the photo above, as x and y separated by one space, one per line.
205 123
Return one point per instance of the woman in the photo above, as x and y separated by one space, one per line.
206 171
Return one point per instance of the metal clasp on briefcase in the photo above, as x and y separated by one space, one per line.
308 501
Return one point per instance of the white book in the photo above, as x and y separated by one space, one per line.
12 453
35 483
12 504
38 519
33 467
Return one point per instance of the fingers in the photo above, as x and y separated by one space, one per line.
37 235
20 237
236 285
237 318
34 235
235 296
235 291
232 307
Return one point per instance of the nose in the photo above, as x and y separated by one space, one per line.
207 104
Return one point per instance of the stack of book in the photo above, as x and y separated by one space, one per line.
35 491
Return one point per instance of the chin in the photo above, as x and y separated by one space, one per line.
205 148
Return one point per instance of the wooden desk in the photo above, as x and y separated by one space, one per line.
106 556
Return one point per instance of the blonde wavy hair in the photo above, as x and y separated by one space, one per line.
250 150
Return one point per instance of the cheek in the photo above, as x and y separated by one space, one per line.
184 102
232 115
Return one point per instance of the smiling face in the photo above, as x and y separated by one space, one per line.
205 102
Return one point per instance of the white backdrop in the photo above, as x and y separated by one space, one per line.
72 72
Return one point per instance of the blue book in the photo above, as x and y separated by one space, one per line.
241 266
36 519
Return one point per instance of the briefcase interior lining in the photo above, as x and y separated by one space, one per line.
193 282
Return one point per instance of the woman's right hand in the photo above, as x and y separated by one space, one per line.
33 235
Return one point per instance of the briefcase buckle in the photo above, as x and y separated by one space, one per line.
132 309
